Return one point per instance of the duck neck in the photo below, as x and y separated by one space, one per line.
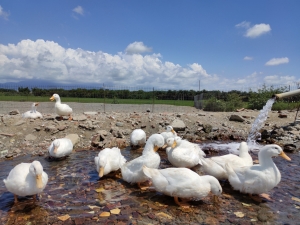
265 160
148 149
32 109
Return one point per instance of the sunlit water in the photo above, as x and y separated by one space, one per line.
74 189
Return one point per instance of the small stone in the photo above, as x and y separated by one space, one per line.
119 124
281 115
14 112
30 137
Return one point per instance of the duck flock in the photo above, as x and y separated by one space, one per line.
179 181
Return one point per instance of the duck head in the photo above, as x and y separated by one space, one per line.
36 169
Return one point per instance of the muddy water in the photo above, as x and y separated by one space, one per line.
75 195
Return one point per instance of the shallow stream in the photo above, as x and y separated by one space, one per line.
75 195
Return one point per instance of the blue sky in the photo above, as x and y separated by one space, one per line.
163 44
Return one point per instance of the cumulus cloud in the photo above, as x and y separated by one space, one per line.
137 48
48 61
3 14
248 58
277 61
79 10
255 30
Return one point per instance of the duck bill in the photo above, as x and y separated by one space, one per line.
101 171
174 144
39 181
215 199
155 148
283 155
55 149
173 131
52 98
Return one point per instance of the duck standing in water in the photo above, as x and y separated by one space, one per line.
132 171
108 160
137 138
60 148
26 179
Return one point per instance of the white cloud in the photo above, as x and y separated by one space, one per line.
79 10
277 61
255 30
47 60
137 48
248 58
279 80
258 30
3 14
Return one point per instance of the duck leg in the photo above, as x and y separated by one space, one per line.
143 188
16 198
183 204
70 117
256 198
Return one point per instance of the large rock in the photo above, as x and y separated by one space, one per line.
79 118
178 125
207 128
73 137
237 118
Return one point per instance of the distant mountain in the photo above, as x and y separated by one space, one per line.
47 84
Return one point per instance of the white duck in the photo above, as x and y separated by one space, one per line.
61 109
60 147
182 153
183 183
215 166
169 133
26 179
33 114
108 160
138 137
259 178
132 171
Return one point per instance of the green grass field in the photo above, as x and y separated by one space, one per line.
98 100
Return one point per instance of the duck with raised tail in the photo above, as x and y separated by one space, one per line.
259 178
137 138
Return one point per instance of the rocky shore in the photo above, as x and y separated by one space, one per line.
97 130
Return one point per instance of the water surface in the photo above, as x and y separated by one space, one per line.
75 190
